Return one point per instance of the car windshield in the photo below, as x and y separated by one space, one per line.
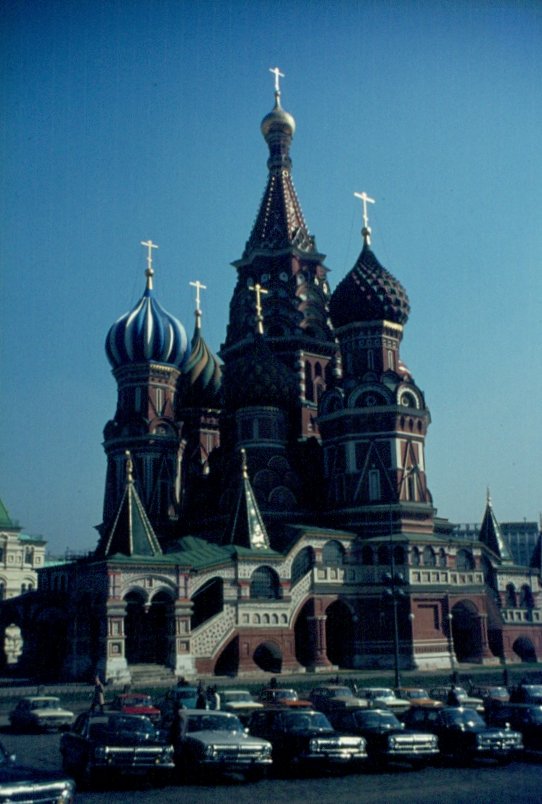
303 721
462 717
533 689
210 722
342 692
383 693
284 695
368 719
237 697
416 694
45 703
4 756
137 700
189 692
535 715
120 726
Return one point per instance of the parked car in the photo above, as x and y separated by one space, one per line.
306 738
112 744
417 696
136 703
525 718
32 785
327 697
384 697
275 696
238 702
461 695
387 739
463 735
179 697
527 693
40 713
217 742
491 694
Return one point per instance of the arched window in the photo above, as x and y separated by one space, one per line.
526 600
265 584
374 485
398 555
333 554
415 557
464 560
429 558
511 597
367 556
302 563
309 388
442 557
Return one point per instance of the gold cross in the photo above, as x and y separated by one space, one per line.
259 290
149 273
277 73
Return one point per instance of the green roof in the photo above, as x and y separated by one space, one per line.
5 520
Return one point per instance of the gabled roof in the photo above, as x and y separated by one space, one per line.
491 535
131 533
246 527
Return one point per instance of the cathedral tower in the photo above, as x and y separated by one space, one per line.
374 422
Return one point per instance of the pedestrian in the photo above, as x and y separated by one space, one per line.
98 697
201 700
213 698
453 697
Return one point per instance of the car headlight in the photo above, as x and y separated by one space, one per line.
392 742
210 751
101 752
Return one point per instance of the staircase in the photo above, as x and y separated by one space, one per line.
151 675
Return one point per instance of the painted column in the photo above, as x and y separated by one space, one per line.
317 636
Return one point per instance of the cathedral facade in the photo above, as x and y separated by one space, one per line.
269 508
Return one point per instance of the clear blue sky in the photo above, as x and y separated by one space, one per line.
132 119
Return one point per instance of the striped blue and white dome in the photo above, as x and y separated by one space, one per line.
147 334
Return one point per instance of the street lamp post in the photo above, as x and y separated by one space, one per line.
451 643
393 591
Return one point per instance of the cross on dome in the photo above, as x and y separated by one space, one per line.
259 290
199 286
149 273
278 75
366 231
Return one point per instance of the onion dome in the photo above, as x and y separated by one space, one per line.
147 334
368 293
278 120
259 378
201 384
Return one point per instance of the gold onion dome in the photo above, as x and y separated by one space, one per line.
278 120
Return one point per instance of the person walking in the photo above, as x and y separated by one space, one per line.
98 698
201 700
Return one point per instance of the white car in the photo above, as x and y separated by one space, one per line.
383 696
40 713
216 742
238 702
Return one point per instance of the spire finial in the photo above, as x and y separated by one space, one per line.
366 231
129 467
198 285
149 273
244 467
258 290
488 496
278 75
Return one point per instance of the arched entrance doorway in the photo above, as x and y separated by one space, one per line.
227 663
466 633
524 648
339 634
268 657
148 628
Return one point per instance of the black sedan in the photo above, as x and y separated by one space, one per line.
305 738
463 735
101 747
525 718
29 785
387 739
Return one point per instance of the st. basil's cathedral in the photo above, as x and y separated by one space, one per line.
268 508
